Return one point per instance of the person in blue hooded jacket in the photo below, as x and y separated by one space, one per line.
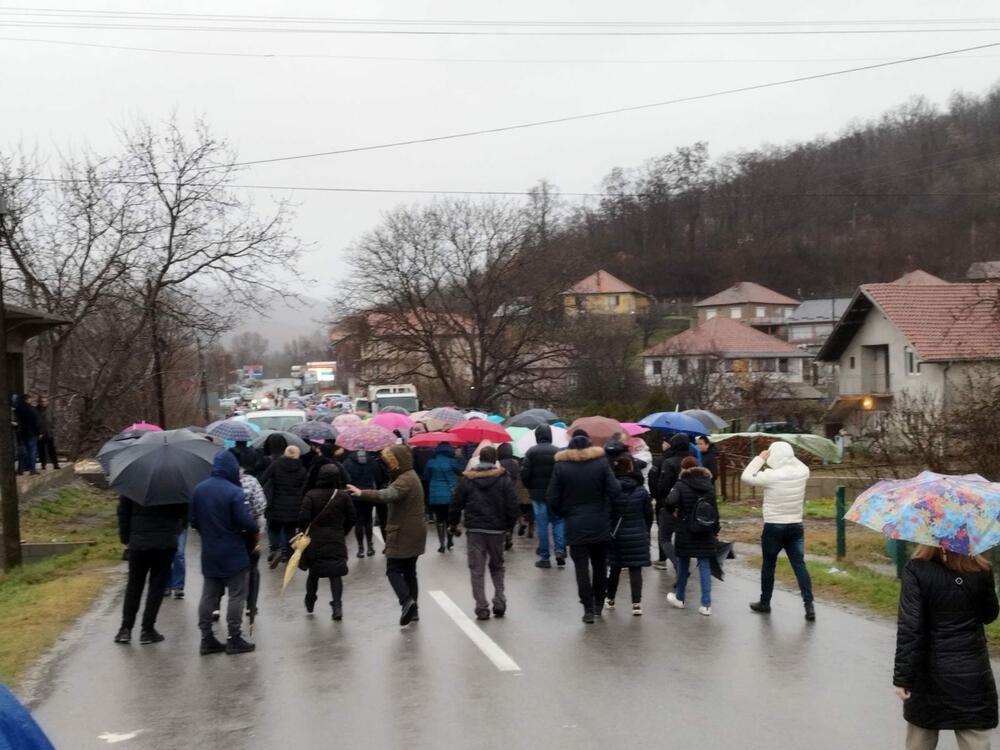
440 475
220 515
17 728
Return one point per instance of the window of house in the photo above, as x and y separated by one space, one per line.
912 362
657 366
783 365
736 365
710 313
761 311
788 312
799 333
581 303
682 366
735 312
851 363
613 300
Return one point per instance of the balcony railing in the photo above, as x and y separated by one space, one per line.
869 383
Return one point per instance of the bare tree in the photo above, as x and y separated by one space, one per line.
248 347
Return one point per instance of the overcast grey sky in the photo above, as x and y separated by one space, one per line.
59 96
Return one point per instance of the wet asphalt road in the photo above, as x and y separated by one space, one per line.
673 678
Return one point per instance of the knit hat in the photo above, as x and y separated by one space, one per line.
292 451
689 462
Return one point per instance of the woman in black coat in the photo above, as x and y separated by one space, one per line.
631 520
693 484
580 491
284 483
942 671
328 512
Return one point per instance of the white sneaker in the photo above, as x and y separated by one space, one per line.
611 603
705 611
637 610
673 601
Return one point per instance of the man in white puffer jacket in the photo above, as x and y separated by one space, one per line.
784 479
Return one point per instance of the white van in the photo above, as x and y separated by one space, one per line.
275 419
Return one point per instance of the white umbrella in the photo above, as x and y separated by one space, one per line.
560 439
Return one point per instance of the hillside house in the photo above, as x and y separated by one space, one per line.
749 303
604 294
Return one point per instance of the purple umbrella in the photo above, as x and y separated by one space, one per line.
366 437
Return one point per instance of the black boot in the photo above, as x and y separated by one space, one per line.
761 608
442 530
588 615
238 645
338 611
211 645
310 603
810 612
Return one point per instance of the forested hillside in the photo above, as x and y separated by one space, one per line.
920 187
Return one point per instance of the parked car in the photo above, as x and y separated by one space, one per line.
776 428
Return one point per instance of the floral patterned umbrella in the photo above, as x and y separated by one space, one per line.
343 421
392 421
960 514
365 437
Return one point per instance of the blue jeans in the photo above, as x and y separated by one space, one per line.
27 454
542 521
790 538
704 573
178 567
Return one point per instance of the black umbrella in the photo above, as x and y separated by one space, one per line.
723 552
115 445
162 468
532 418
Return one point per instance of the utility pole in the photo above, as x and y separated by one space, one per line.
203 382
10 518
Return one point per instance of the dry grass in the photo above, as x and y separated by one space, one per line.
863 545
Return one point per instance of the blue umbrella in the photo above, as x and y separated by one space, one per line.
673 421
233 429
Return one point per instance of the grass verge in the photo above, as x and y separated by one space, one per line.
859 586
39 600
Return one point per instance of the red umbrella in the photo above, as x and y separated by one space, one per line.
431 439
600 429
477 430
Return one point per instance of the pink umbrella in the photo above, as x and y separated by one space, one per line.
392 421
343 421
632 428
477 430
145 426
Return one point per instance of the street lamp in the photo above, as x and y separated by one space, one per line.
9 514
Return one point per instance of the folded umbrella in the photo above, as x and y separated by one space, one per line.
600 429
477 430
723 551
316 431
233 429
959 513
299 542
162 468
365 437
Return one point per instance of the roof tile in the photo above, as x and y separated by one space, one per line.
724 336
602 282
747 293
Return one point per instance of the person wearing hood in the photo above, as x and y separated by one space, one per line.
247 455
364 469
783 478
274 448
536 472
150 534
439 477
679 448
692 491
581 491
286 478
219 513
631 520
328 513
27 435
507 462
405 530
323 457
488 500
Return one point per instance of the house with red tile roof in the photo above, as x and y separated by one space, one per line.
749 303
606 294
918 339
728 349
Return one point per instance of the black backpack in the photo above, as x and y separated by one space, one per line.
702 518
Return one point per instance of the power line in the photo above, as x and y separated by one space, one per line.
107 26
617 110
497 60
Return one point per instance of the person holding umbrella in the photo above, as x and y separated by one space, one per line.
219 513
150 535
406 535
439 477
328 513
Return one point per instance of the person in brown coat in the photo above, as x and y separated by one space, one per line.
328 513
405 530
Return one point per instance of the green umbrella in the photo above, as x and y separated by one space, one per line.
818 446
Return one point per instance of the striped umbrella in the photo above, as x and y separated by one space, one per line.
232 429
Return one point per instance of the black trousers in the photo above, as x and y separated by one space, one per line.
402 575
336 588
363 527
47 452
634 578
591 564
142 564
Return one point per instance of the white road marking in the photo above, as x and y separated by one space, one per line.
113 738
487 645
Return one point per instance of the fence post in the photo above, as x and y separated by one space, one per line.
838 512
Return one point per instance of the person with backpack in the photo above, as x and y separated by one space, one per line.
631 521
694 503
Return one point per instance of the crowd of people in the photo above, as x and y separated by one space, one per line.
34 442
597 504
